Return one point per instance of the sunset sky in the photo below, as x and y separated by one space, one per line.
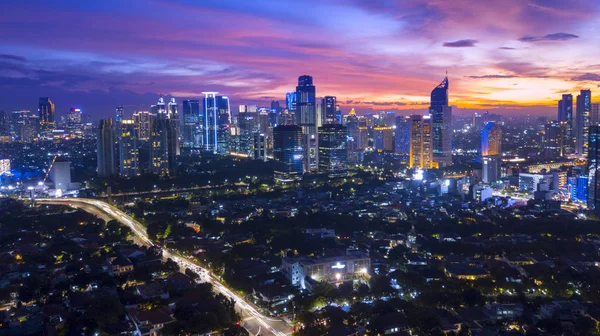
516 56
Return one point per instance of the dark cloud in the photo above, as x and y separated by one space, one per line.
492 76
549 37
461 44
13 57
507 48
587 77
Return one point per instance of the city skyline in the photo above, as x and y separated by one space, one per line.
381 57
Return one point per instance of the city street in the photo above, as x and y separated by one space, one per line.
252 320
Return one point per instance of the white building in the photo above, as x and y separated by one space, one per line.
4 166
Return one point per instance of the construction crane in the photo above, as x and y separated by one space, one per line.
49 169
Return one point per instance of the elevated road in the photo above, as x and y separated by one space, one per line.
255 322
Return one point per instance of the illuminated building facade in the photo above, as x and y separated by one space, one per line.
216 114
163 147
491 152
583 119
47 114
553 142
593 202
306 105
565 115
191 131
441 124
421 155
333 151
383 139
300 271
128 149
288 151
106 148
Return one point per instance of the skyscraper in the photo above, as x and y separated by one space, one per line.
421 155
353 137
441 128
143 123
287 150
119 115
565 114
248 124
128 149
191 134
593 202
333 151
74 123
383 139
163 147
583 112
46 113
595 114
553 142
106 148
260 147
306 106
216 115
160 109
491 151
291 99
329 110
402 145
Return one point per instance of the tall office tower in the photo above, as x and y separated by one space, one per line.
333 150
173 109
263 121
328 108
310 144
287 150
291 100
286 118
595 114
441 124
191 135
402 145
583 119
320 114
565 114
119 115
260 147
477 123
74 123
248 124
593 202
143 123
353 137
4 123
128 149
306 105
216 114
339 116
553 140
421 151
106 148
160 109
491 152
163 147
274 112
363 137
46 113
383 139
390 119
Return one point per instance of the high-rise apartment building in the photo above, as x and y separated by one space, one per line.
143 123
421 153
402 136
128 149
106 148
163 147
333 151
74 125
383 139
441 124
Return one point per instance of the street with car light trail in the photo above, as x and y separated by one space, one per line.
252 320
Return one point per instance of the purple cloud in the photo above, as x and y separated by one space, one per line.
461 44
587 77
492 76
549 37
